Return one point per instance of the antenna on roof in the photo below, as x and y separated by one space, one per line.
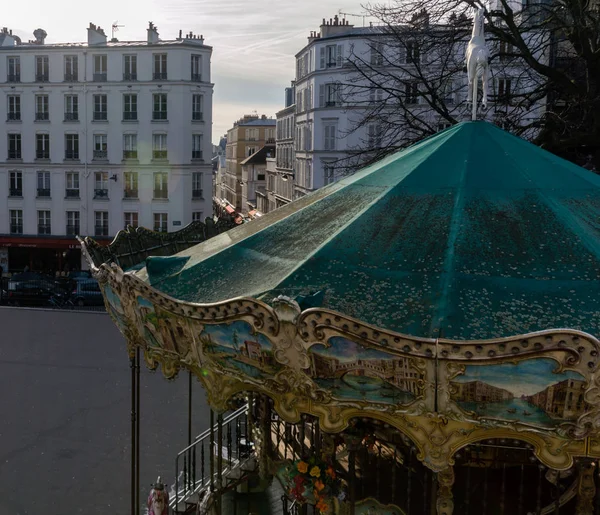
363 16
115 28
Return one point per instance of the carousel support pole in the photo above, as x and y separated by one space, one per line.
586 488
133 434
189 457
352 479
137 431
219 461
445 479
211 451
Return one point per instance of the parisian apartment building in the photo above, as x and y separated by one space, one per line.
100 135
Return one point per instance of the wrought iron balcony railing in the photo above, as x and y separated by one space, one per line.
72 193
16 228
42 154
130 193
197 193
159 75
130 154
159 115
71 154
159 154
99 77
71 77
14 117
43 192
101 230
71 117
197 117
161 194
130 76
42 117
73 230
44 229
100 154
100 193
196 77
41 77
100 116
13 77
196 154
15 192
129 116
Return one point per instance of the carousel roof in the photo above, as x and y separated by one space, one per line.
472 233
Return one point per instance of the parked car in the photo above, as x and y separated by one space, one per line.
80 275
33 293
87 293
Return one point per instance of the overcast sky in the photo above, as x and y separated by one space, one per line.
254 42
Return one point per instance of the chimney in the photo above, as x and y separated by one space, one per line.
40 36
96 35
334 26
152 34
6 38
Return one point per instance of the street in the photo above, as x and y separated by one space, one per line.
65 430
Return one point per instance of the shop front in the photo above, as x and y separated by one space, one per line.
47 255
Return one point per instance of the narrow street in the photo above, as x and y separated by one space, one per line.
65 429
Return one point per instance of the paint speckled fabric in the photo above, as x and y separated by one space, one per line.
472 233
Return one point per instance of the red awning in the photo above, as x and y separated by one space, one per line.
252 213
42 243
229 209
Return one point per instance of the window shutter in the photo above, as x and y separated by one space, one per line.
340 55
338 94
322 95
322 63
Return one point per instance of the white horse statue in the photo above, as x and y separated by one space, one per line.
158 500
477 62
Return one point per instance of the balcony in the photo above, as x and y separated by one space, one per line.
16 228
160 228
196 77
130 116
160 194
15 192
72 193
130 193
159 154
100 193
41 77
44 229
330 103
13 77
72 154
196 193
42 154
196 154
130 76
99 77
73 230
71 77
197 117
100 116
130 154
101 230
14 117
42 117
43 192
159 115
71 117
159 76
331 64
100 155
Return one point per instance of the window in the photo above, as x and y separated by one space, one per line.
159 146
42 146
41 68
504 90
197 68
100 108
443 125
71 108
330 95
41 108
100 185
159 111
161 187
331 56
100 68
71 68
130 67
72 185
100 147
160 222
374 135
375 94
411 93
250 150
72 223
71 146
196 216
330 131
43 184
506 49
16 221
101 223
196 146
130 146
197 107
130 107
131 185
252 134
449 93
197 184
413 53
14 107
16 184
44 226
328 173
130 220
14 146
160 67
13 69
377 54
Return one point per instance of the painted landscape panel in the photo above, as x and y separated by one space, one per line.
237 346
350 371
529 391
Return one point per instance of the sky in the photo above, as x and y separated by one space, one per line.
254 42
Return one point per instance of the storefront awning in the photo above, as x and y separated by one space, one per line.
42 243
229 209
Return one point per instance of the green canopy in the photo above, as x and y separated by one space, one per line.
472 233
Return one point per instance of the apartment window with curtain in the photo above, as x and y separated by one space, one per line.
330 95
13 108
130 219
131 185
374 131
72 223
330 134
161 185
130 107
197 107
100 147
328 173
101 185
16 184
71 108
100 108
196 146
16 221
100 68
160 67
71 68
72 185
42 146
14 146
159 111
44 224
197 68
504 90
42 72
331 56
42 111
130 146
130 67
13 69
43 184
101 226
197 178
161 222
159 146
71 146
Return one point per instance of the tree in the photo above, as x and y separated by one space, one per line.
410 82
